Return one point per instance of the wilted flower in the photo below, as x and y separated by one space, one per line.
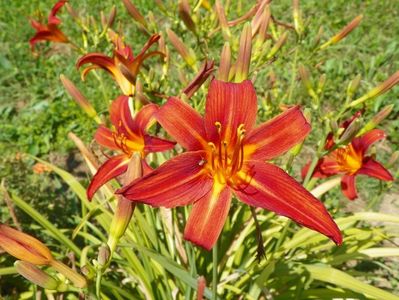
128 136
351 160
50 31
123 66
226 154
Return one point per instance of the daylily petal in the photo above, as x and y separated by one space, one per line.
328 166
145 117
278 135
100 60
372 168
273 189
183 123
52 19
208 216
363 142
348 186
105 138
112 168
121 118
316 173
179 181
156 144
230 104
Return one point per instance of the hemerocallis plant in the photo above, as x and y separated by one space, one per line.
226 155
352 160
128 136
123 66
50 31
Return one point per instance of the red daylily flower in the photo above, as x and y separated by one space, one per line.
123 66
226 155
351 160
128 137
50 31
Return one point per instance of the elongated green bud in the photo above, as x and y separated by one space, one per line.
225 63
36 275
185 14
377 119
244 54
186 53
350 132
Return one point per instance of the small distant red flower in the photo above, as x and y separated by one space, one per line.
351 160
50 31
226 154
128 136
123 66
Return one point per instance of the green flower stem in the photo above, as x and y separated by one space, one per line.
215 271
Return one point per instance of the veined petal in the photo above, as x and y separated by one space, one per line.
179 181
105 138
348 186
208 216
145 117
156 144
112 168
121 118
278 135
273 189
183 123
100 60
372 168
316 173
328 166
363 142
230 104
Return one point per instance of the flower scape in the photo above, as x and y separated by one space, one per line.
213 163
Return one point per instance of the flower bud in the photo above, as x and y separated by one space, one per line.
77 280
353 86
103 255
24 247
134 12
187 54
184 13
350 132
377 119
222 20
201 285
379 90
79 98
298 23
225 63
394 157
321 84
305 77
244 54
343 33
125 208
280 42
36 275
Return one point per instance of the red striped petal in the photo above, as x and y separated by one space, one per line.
104 137
348 186
155 144
230 104
278 135
208 216
121 118
112 168
144 117
100 60
372 168
273 189
179 181
183 123
363 142
328 166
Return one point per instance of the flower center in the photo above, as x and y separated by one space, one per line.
226 158
126 144
348 159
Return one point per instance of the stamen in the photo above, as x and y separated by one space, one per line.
213 150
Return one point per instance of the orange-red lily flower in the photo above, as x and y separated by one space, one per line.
50 31
351 160
226 155
128 136
123 66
